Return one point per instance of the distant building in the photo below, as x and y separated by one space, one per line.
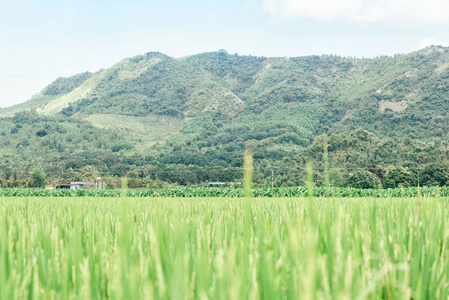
75 185
217 184
57 186
225 184
81 185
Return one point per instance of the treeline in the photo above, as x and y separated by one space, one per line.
359 159
362 160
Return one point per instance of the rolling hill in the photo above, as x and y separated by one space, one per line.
202 110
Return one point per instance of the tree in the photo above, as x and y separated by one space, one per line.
38 176
434 174
364 179
336 178
89 173
399 177
377 170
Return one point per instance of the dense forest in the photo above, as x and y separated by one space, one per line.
162 121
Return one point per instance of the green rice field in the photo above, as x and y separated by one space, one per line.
224 248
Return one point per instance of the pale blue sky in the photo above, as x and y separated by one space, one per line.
41 40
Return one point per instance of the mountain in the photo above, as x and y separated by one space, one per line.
202 110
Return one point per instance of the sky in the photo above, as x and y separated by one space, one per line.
41 40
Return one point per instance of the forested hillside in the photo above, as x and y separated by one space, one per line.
188 120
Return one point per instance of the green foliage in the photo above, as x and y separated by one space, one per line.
65 85
187 192
364 179
377 170
336 178
58 144
38 176
434 174
89 173
248 172
399 177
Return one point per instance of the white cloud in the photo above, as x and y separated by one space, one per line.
428 12
431 41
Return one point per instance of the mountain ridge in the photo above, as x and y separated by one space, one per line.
205 108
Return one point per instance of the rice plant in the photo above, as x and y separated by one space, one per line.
200 248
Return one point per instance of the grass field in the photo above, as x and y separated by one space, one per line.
224 248
143 131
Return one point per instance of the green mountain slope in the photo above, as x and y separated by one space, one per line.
204 109
405 92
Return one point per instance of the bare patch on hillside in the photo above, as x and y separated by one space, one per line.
347 114
79 93
413 95
387 88
262 72
226 100
130 70
410 74
214 98
441 68
394 106
381 89
144 131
